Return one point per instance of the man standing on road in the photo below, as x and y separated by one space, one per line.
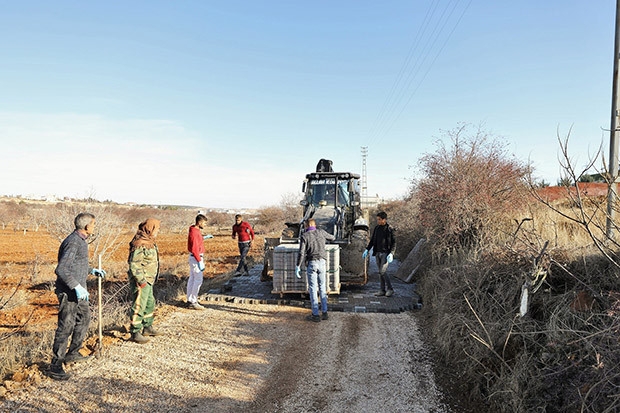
196 248
312 253
383 245
245 235
73 309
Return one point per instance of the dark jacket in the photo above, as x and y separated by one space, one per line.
382 240
312 245
72 268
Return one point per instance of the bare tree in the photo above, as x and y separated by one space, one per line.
109 225
291 207
589 213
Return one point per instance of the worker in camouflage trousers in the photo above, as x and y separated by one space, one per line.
143 271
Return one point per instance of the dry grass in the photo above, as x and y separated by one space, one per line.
563 355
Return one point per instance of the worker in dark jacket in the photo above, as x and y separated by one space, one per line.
312 254
73 310
383 245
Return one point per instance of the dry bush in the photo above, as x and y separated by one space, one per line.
24 346
562 356
271 220
222 221
12 213
173 219
465 187
513 363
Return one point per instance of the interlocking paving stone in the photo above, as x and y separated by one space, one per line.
355 298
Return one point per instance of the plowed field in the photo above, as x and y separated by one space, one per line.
28 259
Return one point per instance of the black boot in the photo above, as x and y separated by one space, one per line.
56 372
75 358
150 331
137 337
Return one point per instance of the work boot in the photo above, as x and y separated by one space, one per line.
324 316
380 294
389 293
137 337
75 358
314 318
150 331
56 372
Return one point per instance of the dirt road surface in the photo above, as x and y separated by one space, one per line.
257 358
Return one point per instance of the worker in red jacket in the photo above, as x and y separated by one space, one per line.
245 235
196 248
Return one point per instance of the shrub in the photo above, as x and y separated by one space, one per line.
465 188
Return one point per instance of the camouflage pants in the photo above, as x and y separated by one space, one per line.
142 307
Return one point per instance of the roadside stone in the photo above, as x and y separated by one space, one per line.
19 376
11 385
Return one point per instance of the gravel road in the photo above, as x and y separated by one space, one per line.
258 358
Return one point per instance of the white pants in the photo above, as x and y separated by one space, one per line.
194 281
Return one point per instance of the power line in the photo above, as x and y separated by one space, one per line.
393 106
414 45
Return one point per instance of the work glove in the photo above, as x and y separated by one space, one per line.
390 257
297 272
81 292
365 254
201 265
98 272
208 236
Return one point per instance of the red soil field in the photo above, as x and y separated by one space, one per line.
28 259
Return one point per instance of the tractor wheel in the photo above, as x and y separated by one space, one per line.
351 259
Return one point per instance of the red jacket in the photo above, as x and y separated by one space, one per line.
195 243
245 231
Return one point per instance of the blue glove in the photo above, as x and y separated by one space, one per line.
365 254
390 257
201 265
81 292
207 236
297 272
98 273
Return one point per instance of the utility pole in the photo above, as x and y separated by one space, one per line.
364 177
612 194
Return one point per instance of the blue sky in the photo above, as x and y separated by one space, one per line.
230 103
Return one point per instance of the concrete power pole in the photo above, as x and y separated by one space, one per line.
612 195
364 177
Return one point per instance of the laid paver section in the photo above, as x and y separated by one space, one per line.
355 298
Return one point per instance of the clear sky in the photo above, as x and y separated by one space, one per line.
230 103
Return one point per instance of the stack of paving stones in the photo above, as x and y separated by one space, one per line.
352 298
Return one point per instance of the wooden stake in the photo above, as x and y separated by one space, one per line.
100 349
